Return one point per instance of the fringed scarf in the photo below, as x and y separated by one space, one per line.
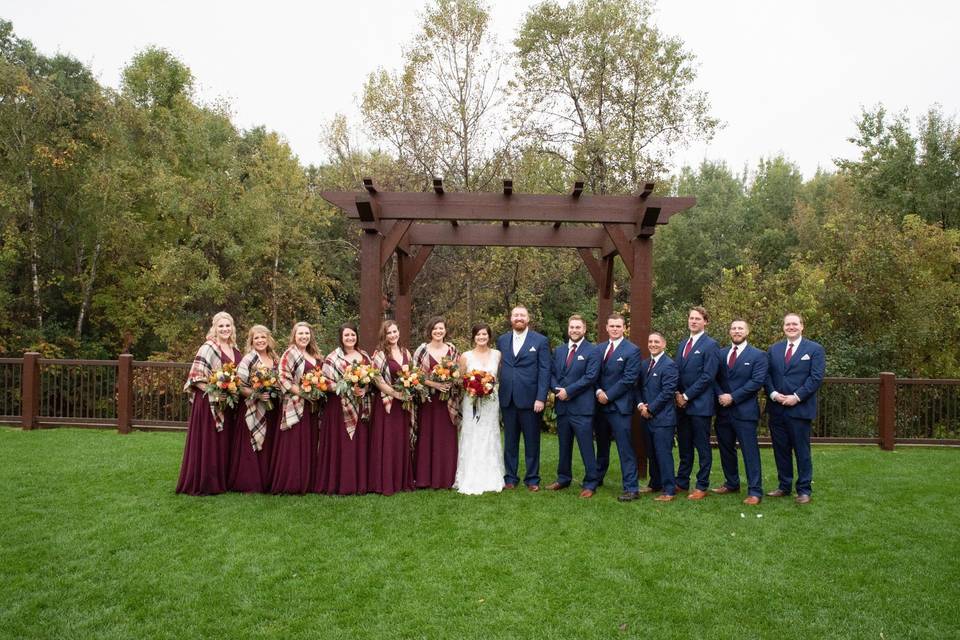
354 409
292 365
256 415
421 358
207 360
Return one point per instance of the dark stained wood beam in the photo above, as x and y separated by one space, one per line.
593 266
438 186
622 243
455 223
649 223
499 236
520 207
419 260
392 240
556 225
647 190
368 210
368 185
506 224
577 189
508 187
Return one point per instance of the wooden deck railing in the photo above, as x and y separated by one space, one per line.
126 394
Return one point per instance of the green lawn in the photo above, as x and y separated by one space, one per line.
96 545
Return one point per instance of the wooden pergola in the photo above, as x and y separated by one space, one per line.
411 224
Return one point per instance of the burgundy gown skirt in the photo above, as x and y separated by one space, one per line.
293 455
435 456
390 466
206 453
249 470
342 461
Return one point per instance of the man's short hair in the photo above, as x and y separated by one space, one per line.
577 317
702 311
787 315
616 316
741 320
657 333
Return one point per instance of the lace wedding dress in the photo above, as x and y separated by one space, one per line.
480 460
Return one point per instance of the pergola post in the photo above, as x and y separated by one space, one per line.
641 312
371 291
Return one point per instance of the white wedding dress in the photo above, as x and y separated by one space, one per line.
480 460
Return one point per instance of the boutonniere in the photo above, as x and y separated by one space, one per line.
806 356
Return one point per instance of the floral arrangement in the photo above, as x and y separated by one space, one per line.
444 372
479 385
223 386
409 383
356 379
263 379
314 387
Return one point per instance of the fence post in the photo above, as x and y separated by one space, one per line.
124 393
886 415
30 390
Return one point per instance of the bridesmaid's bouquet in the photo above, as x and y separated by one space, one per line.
479 385
314 387
263 379
410 385
356 379
223 387
445 371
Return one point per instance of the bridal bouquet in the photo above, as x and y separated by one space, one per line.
263 379
410 385
445 371
478 385
223 386
356 379
314 386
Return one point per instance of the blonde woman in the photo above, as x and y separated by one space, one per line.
256 427
295 453
206 451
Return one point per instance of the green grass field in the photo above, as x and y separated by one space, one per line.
95 544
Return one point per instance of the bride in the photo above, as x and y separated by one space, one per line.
480 461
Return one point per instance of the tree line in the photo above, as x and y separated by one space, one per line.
129 216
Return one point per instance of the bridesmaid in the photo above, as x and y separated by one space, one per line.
206 452
294 454
342 463
256 427
435 454
390 468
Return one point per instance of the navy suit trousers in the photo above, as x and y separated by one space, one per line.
659 441
693 432
515 422
791 437
616 427
581 427
729 432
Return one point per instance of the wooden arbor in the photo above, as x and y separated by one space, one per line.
598 227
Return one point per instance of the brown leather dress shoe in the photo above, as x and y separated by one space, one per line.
697 494
777 493
556 486
803 498
664 498
509 485
724 489
752 500
586 493
533 488
628 496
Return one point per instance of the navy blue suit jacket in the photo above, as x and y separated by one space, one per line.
802 376
656 389
524 378
698 372
747 377
580 379
618 377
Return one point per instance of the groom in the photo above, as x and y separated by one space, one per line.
524 378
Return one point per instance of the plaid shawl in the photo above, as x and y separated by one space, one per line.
421 358
204 364
256 415
354 409
292 364
382 364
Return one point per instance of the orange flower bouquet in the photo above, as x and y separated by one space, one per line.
409 383
223 386
264 380
356 379
444 372
314 387
479 385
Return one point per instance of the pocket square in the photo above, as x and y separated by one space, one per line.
806 356
533 348
653 375
697 352
746 364
619 359
579 357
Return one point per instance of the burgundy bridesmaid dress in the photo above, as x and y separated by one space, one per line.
246 465
390 466
294 452
435 456
342 461
206 454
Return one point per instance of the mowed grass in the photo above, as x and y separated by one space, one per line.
95 544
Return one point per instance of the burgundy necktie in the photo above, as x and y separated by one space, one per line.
786 360
686 349
609 351
732 359
573 350
652 363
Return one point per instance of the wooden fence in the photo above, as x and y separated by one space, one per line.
126 394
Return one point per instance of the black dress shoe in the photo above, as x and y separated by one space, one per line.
629 496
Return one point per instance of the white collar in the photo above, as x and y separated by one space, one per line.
576 344
522 335
693 337
795 344
740 347
616 343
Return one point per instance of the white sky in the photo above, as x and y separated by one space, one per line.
784 76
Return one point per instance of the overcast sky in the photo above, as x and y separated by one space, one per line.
786 77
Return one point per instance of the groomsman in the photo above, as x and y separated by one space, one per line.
524 379
743 371
697 362
576 366
619 372
655 400
797 366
